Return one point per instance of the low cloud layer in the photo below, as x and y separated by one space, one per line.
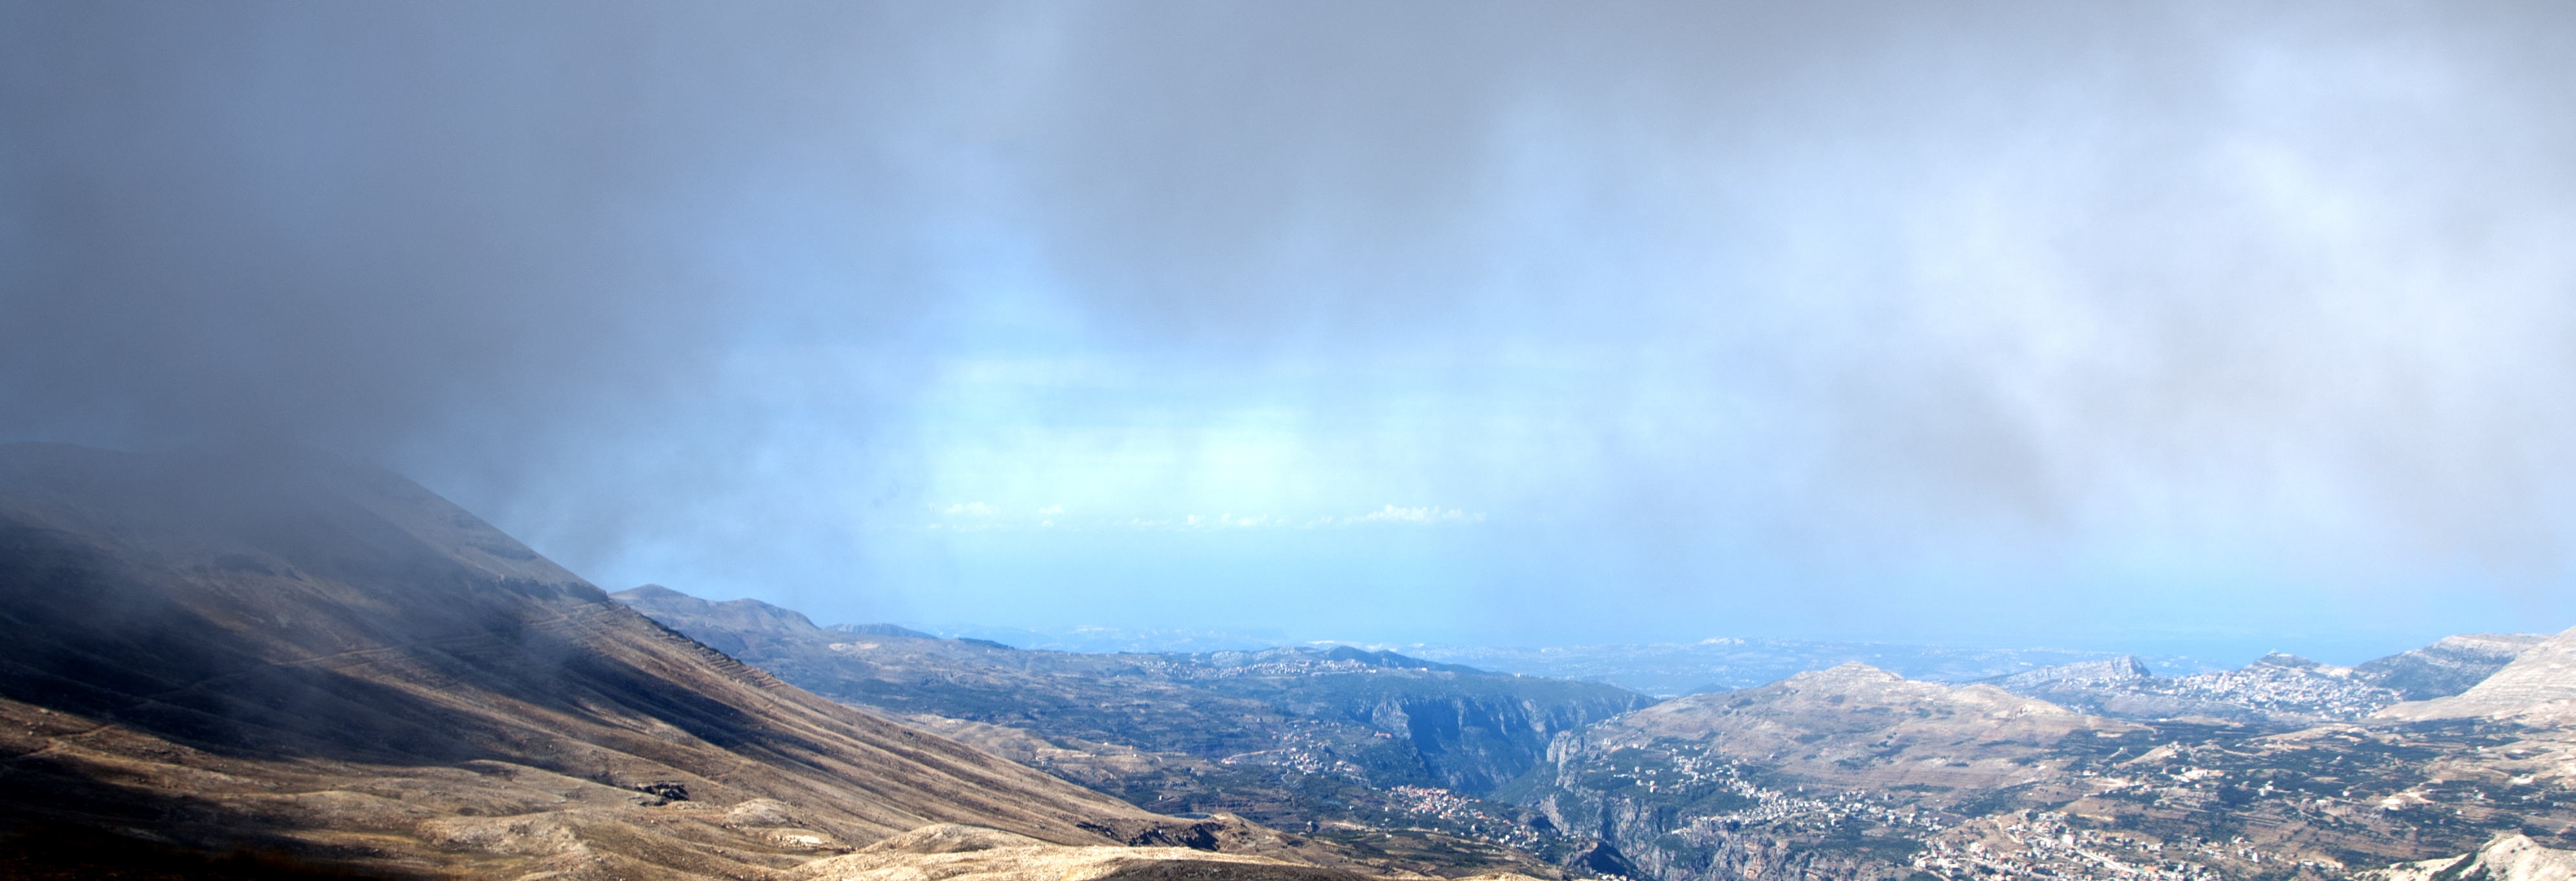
1968 322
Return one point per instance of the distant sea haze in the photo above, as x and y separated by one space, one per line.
1663 669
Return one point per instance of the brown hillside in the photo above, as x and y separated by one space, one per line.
307 660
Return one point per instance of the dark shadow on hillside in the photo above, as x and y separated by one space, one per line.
97 635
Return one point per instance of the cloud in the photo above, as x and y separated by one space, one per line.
1950 302
1393 514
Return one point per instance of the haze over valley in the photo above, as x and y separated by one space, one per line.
992 440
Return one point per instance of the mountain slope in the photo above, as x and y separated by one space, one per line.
308 657
2539 686
1791 779
1858 725
2276 689
1855 774
2451 665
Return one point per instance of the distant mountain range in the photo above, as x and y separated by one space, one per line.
1312 738
2276 689
1105 640
1661 669
2284 769
1850 771
1853 771
1720 664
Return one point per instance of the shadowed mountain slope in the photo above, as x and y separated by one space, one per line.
316 659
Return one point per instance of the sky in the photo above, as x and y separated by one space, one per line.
2164 327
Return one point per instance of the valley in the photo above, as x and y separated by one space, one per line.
1378 753
1439 440
2096 768
325 671
1856 773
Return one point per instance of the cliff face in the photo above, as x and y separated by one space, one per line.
318 659
1475 742
1468 731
